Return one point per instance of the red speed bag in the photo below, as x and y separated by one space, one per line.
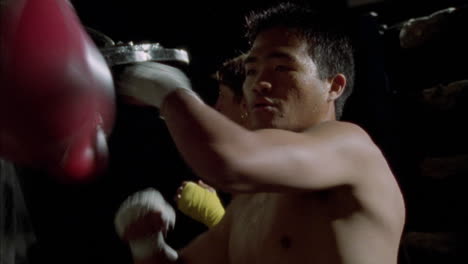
56 91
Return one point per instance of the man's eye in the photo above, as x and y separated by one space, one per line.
250 72
282 68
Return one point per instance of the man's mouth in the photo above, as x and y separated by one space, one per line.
264 105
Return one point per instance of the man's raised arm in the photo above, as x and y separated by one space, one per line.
234 159
269 159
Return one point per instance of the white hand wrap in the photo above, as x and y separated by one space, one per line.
146 247
151 82
137 206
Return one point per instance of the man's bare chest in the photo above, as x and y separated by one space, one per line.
267 223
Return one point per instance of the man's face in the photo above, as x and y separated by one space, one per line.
282 88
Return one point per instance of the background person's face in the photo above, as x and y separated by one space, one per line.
228 105
282 88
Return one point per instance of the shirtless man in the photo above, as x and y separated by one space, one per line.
312 189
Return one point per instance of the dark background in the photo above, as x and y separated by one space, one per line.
74 222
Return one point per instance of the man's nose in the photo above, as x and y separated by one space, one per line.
262 87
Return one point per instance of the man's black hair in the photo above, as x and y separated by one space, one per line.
232 74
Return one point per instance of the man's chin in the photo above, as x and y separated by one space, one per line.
257 127
265 119
264 124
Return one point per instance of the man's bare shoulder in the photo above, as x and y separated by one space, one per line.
372 177
351 144
339 128
351 139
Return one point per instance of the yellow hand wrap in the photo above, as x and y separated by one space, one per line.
201 204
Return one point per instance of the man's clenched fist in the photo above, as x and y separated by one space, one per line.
142 220
150 82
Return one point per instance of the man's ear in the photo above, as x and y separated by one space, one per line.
337 86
